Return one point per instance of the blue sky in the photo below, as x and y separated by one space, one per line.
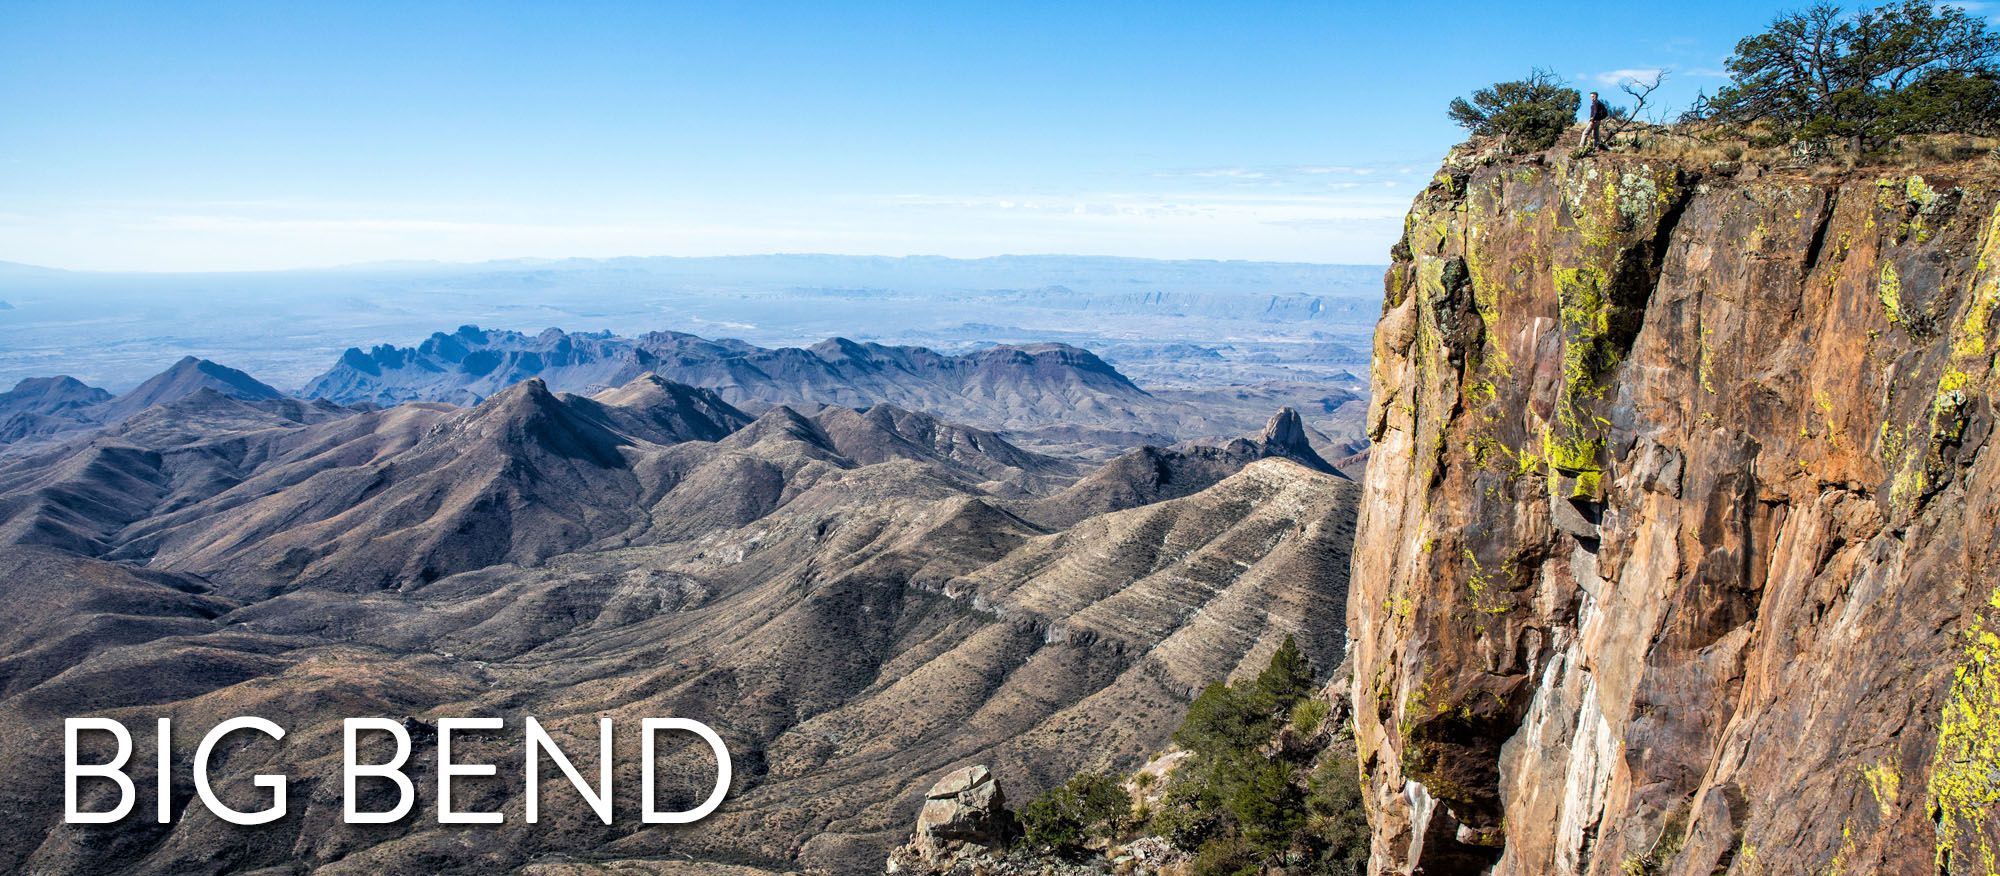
228 136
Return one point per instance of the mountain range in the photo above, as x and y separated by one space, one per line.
1055 394
1267 321
39 407
1049 397
859 597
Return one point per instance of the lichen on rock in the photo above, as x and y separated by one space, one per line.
1678 486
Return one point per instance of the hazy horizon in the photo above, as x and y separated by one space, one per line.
115 329
548 260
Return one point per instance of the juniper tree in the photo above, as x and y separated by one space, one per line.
1903 68
1530 113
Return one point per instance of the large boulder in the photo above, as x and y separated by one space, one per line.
965 815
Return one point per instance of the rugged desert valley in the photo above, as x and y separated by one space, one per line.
858 595
1662 546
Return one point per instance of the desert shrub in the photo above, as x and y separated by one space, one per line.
1309 714
1336 825
1226 856
1218 721
1189 813
1088 806
1288 679
1241 802
1530 113
1262 801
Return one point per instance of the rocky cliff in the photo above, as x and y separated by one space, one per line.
1676 552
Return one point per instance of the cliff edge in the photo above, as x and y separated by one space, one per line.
1677 547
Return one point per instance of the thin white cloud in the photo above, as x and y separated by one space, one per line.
1227 173
1300 176
1628 74
1178 205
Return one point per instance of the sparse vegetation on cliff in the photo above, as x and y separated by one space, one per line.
1268 783
1089 805
1264 780
1529 114
1903 83
1913 67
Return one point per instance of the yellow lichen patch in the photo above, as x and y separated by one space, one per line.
1964 787
1913 198
1575 442
1705 367
1430 281
1416 704
1481 586
1400 606
1890 291
1885 194
1481 391
1885 782
1588 483
1953 380
1920 193
1978 323
1529 460
1910 482
1823 404
1838 866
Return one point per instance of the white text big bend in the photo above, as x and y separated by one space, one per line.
536 746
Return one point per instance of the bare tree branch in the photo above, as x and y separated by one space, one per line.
1641 91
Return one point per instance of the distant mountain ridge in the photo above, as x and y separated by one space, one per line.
1023 389
185 378
470 364
40 407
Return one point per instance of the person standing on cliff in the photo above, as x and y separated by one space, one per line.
1598 113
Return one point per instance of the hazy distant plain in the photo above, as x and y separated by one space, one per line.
1247 321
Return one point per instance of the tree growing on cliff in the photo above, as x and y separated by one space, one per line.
1530 113
1089 805
1905 68
1248 798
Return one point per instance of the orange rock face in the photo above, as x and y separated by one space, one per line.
1677 551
